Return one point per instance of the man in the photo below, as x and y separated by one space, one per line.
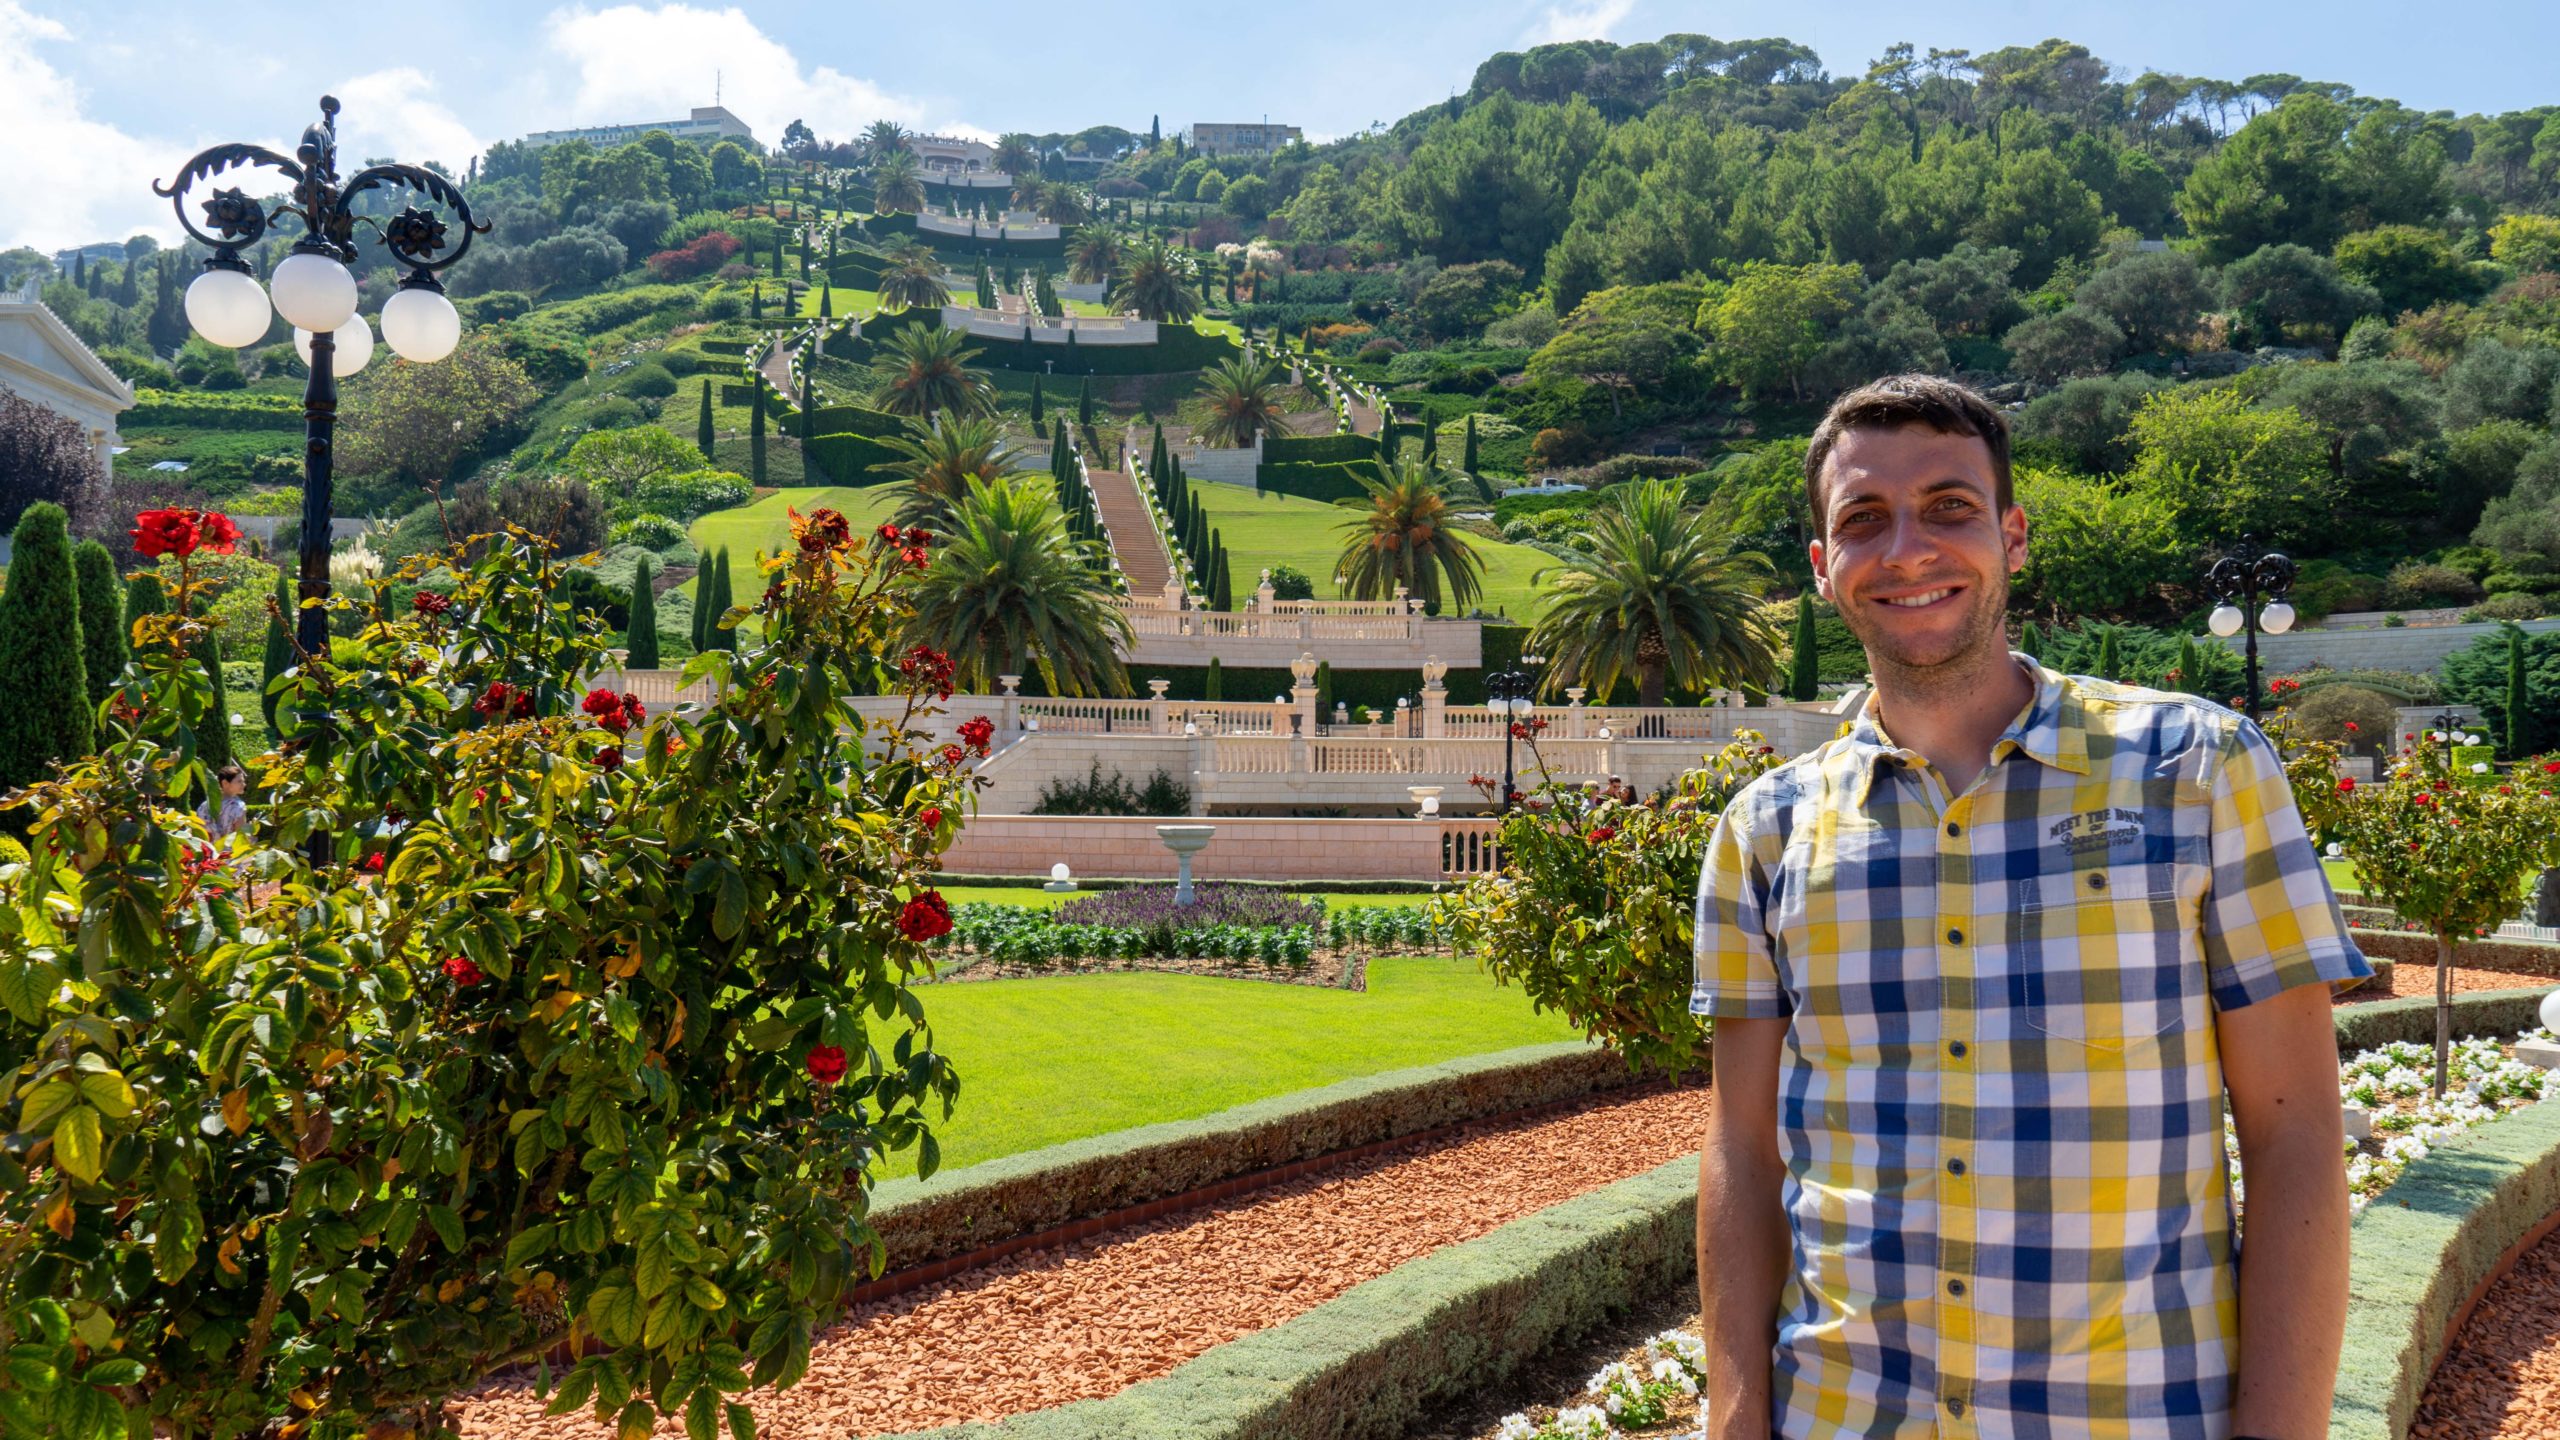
1981 971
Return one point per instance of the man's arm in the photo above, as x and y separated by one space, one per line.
2280 1064
1742 1274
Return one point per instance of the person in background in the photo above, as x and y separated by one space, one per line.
225 814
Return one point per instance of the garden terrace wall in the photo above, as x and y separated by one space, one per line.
2516 957
1245 847
2425 1250
958 1211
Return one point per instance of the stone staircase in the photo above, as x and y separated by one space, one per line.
1134 540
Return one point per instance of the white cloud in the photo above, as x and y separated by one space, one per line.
70 179
1579 20
395 113
641 62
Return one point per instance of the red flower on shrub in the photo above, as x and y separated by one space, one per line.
430 604
926 917
502 698
2346 785
928 669
888 534
609 758
821 529
953 754
2353 727
2551 767
825 1064
978 733
461 971
605 706
173 531
373 863
931 815
2423 798
1601 833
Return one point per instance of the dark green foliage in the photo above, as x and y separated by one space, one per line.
1221 589
755 440
2482 675
1039 407
277 656
47 717
1112 794
213 724
1084 403
1467 460
1327 483
1324 689
1804 671
705 577
2109 666
2031 641
722 598
2519 694
2190 666
103 638
641 638
1211 688
703 433
1430 443
143 596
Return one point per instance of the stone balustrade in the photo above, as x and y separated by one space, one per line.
1049 330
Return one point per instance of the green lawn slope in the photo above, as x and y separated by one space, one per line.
1263 530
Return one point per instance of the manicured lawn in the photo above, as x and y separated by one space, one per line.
1262 530
864 303
765 526
1058 1058
1033 895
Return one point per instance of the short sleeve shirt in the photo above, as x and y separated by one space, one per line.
2000 1097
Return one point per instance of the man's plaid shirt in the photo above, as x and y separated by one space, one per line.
2000 1099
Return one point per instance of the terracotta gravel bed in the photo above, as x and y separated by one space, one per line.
1090 1319
2502 1376
2412 980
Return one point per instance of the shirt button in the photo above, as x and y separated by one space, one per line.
1956 1048
1955 1287
1955 1406
1955 1167
1954 936
1951 827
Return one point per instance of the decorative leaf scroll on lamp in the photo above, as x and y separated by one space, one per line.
2239 578
313 290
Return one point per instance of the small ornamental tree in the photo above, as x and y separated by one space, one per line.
1804 670
755 433
277 656
1467 460
2454 858
1593 912
1084 402
640 634
1039 411
596 1054
1212 688
703 433
714 635
103 647
46 717
2519 692
2109 666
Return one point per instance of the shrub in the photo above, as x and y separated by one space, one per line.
600 1079
648 380
1288 582
1381 348
692 493
1112 794
2417 586
1554 448
2511 605
657 532
700 256
47 718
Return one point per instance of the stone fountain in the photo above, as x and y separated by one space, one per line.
1184 841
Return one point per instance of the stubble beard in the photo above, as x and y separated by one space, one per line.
1943 669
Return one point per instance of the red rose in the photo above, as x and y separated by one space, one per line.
215 532
931 815
978 733
495 701
373 862
824 529
2352 726
1519 731
2551 767
429 603
917 539
926 917
928 669
2347 785
826 1064
888 534
2423 798
165 532
604 705
632 710
916 555
1600 833
609 758
461 971
953 754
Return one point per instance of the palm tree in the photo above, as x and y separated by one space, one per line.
897 183
942 459
925 370
1157 283
884 138
1064 204
913 279
1244 401
1030 192
1406 537
1094 254
1016 154
1008 584
1657 597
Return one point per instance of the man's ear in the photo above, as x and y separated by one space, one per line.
1821 569
2013 537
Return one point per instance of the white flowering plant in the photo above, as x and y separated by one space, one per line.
2391 1084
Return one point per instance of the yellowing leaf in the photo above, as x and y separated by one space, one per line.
235 1111
222 1255
449 1291
79 1145
58 1216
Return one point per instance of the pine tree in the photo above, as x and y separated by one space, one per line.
2108 663
277 656
1467 458
755 434
2519 693
1084 402
1039 413
640 635
213 724
103 646
1221 589
48 716
703 434
1804 675
1210 689
2031 641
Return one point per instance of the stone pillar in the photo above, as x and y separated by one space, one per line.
1302 692
1435 698
1156 707
1009 711
1263 595
1204 767
1576 719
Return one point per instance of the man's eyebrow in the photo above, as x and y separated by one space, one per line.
1934 487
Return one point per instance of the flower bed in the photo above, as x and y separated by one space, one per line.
2393 1084
1247 929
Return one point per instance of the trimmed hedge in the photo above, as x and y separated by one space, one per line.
2481 1012
963 1210
1317 449
2516 957
1366 1365
2420 1250
1325 483
1177 348
855 420
849 459
213 412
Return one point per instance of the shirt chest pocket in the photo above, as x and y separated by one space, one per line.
2104 955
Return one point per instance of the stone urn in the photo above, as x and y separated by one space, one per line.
1184 841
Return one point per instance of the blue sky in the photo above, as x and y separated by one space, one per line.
95 101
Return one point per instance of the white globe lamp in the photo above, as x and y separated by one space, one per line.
2276 618
2551 1012
354 347
420 324
313 292
228 309
2225 620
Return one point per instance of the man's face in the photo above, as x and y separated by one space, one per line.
1918 555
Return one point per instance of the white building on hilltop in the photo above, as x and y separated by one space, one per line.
43 360
952 154
709 124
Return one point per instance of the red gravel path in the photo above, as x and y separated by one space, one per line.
1045 1327
2409 980
2502 1376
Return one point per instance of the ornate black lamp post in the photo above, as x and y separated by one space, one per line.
2240 578
1507 696
314 292
2449 733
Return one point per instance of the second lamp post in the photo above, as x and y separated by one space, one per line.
2239 579
1507 695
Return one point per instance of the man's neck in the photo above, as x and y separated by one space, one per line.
1953 715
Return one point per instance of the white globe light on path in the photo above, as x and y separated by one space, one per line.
2551 1011
228 309
313 292
420 325
354 347
2470 739
2276 619
2225 620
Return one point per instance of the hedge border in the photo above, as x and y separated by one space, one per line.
2481 1012
2427 1250
1369 1362
965 1210
2515 957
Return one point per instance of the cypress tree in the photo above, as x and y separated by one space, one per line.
143 596
213 725
777 256
2190 666
1210 689
808 402
277 657
2031 640
1084 402
1324 689
48 716
2108 663
1386 440
1220 589
755 302
827 301
1467 458
755 434
721 599
2519 693
1155 463
701 601
1039 413
1430 443
102 633
1804 675
703 435
804 254
640 636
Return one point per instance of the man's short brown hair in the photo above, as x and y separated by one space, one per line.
1899 400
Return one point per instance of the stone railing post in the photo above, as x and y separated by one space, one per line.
1302 694
1157 707
1435 698
1576 718
1009 715
1264 595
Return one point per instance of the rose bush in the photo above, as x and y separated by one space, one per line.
598 1065
1593 911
